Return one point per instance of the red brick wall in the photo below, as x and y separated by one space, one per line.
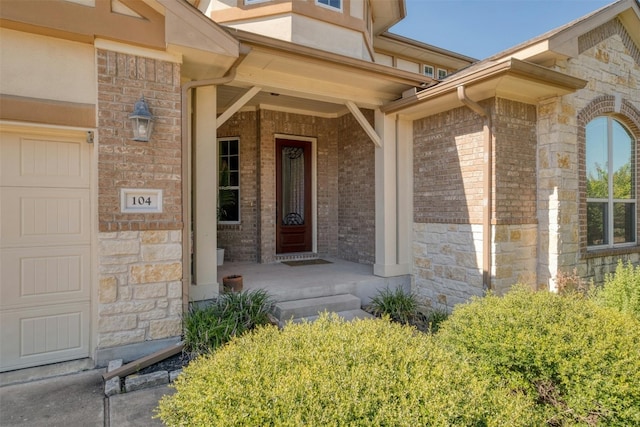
514 131
447 167
241 241
345 185
124 163
356 157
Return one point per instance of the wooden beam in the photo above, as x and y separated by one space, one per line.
237 104
364 123
143 362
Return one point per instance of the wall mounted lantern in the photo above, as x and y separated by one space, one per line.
141 121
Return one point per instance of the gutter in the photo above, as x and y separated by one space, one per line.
487 201
186 160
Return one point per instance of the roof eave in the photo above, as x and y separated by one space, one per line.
493 80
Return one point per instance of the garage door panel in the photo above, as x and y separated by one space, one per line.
45 247
40 276
44 161
44 335
44 216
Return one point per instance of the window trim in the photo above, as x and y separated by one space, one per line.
444 73
610 200
231 187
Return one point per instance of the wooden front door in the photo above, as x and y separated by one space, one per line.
293 196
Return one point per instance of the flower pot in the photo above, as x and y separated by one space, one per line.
232 283
220 256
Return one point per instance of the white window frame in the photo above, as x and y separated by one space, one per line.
231 187
610 200
442 73
432 72
328 6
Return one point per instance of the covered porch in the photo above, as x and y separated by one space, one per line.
287 283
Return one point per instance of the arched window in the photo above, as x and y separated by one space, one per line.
611 187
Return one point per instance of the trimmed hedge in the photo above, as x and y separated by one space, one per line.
577 362
331 373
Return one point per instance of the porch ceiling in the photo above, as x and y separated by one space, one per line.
315 81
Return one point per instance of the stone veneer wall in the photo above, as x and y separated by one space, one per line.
139 255
447 263
610 62
140 290
357 200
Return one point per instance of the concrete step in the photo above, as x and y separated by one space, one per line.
296 309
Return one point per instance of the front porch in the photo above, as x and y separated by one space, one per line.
289 283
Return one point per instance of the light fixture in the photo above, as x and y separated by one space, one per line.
141 121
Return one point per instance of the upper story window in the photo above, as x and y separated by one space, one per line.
333 4
442 73
427 70
611 187
229 181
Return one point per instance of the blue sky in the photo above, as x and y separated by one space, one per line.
481 28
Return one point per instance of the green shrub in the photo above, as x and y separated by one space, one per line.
398 305
334 373
434 318
621 290
232 314
578 362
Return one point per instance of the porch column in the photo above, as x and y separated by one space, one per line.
204 189
386 198
405 194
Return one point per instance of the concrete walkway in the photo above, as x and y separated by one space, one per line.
77 400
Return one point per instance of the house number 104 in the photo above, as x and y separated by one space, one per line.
140 200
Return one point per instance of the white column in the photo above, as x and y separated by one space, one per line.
205 171
405 194
385 192
394 196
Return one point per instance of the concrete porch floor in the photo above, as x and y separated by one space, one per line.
287 283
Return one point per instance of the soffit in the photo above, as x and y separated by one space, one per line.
207 49
386 13
512 79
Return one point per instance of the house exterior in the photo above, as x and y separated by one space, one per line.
294 129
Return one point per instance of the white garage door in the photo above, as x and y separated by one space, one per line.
45 248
